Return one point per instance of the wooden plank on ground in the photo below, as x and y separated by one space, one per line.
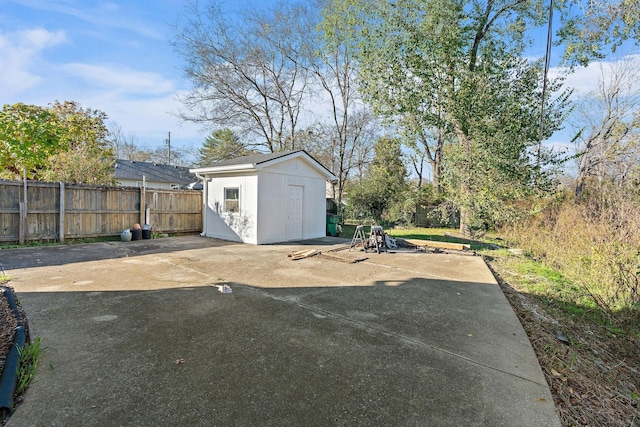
436 244
342 258
303 254
337 249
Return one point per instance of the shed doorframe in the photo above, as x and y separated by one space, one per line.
295 206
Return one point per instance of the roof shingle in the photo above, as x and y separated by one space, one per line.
128 169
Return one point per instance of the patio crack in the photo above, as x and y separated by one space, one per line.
381 330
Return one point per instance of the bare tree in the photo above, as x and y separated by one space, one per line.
125 147
424 144
350 131
246 71
608 142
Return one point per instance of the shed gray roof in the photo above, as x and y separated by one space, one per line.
128 169
256 160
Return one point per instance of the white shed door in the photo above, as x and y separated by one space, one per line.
294 212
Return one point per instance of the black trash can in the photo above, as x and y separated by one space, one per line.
146 231
136 234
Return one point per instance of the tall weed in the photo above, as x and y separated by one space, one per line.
594 242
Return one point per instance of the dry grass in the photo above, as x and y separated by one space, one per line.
578 275
595 243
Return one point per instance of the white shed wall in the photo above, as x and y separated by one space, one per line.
241 226
273 186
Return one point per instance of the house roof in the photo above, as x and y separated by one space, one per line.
128 169
259 161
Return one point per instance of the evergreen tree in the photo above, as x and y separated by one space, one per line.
221 145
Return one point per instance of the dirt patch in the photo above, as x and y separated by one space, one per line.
594 375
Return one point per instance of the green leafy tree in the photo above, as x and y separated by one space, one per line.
454 70
491 167
86 155
28 136
221 145
384 186
63 142
589 29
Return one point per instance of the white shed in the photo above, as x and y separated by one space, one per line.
265 198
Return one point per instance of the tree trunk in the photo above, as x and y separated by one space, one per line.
465 220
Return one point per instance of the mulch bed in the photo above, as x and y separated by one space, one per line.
8 324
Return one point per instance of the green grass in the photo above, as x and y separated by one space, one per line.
40 243
555 291
436 234
555 286
28 366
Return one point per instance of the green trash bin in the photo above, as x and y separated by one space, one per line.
332 225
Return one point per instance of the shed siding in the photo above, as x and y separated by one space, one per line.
264 202
273 184
272 205
238 227
297 167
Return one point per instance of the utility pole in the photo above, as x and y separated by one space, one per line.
547 59
169 151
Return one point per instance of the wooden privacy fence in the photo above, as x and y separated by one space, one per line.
55 211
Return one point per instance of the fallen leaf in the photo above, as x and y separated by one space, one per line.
555 373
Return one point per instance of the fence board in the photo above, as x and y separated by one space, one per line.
94 211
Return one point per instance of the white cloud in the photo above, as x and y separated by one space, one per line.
585 79
118 78
20 55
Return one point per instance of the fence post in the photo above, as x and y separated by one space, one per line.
61 232
23 213
143 199
21 223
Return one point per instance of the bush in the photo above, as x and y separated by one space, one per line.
594 242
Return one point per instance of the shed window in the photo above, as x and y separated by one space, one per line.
232 199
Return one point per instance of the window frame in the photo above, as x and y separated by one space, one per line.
227 201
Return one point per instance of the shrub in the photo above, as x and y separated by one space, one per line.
594 242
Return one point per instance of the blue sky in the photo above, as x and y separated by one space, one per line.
116 56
